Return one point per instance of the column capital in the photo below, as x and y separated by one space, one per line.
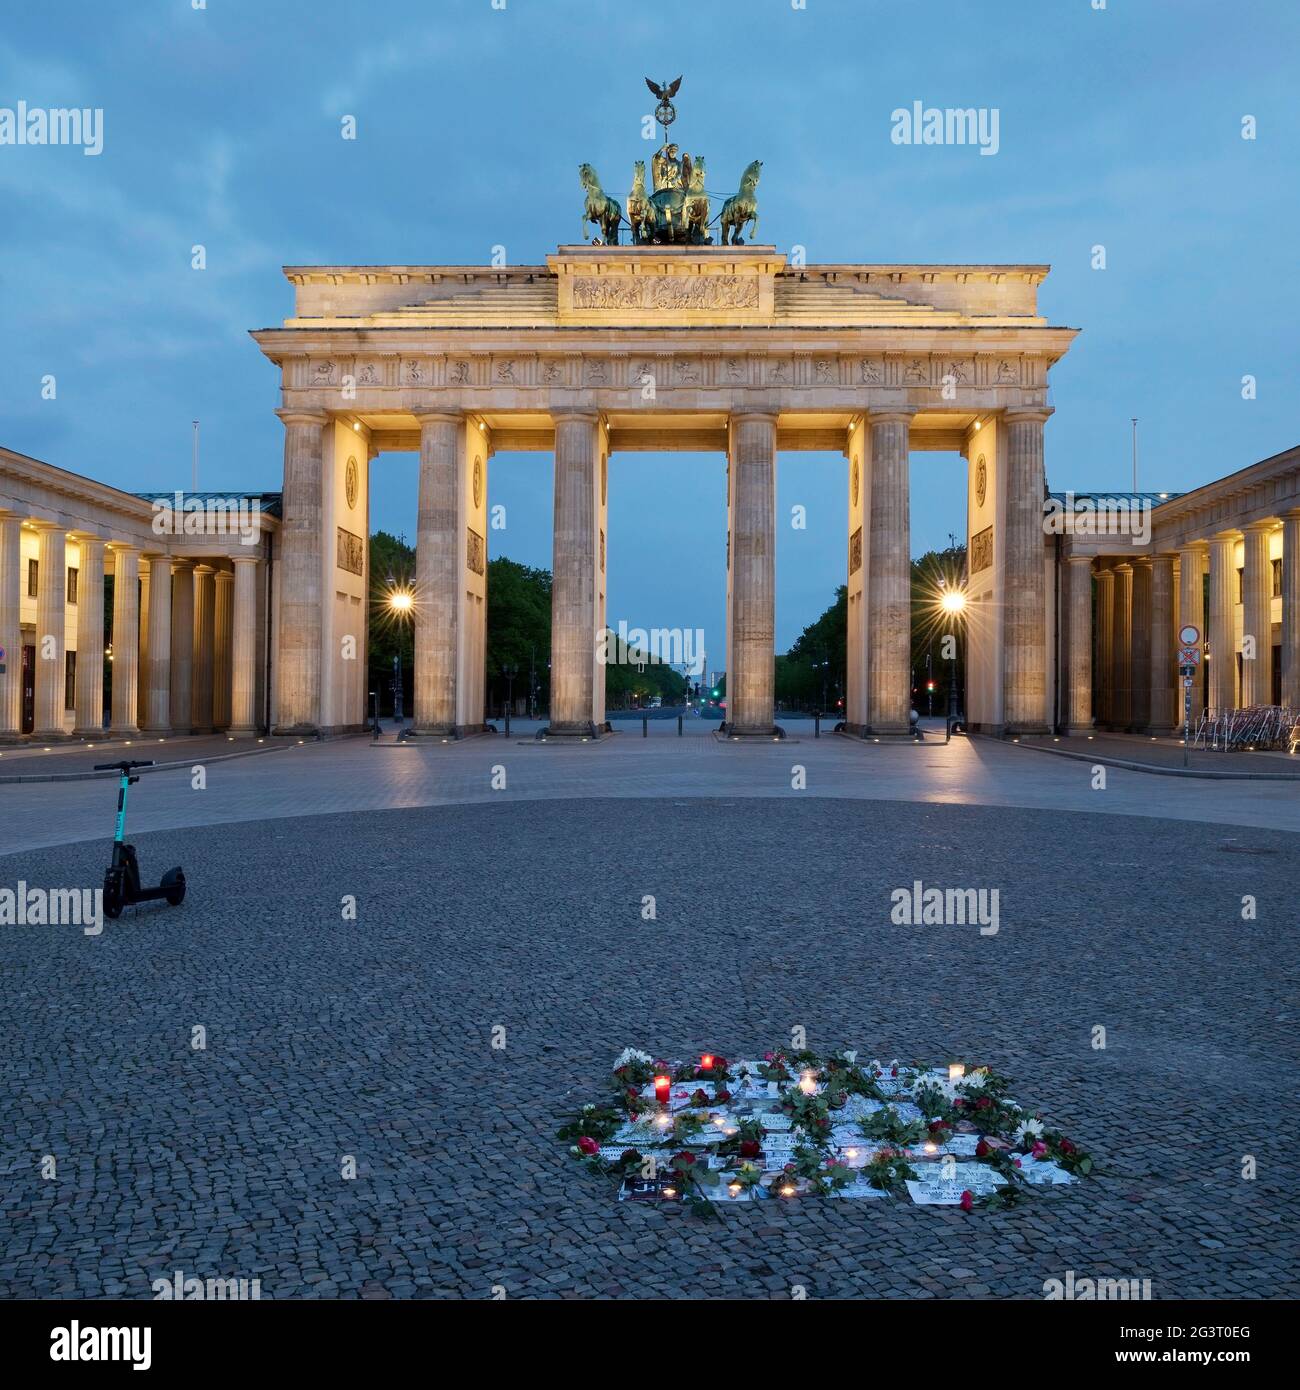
123 547
583 416
1261 528
439 417
1291 514
227 575
1143 561
84 538
902 415
1026 414
302 415
1123 567
245 560
180 565
1080 560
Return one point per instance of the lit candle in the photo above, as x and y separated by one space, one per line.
706 1061
788 1190
808 1084
956 1070
930 1147
851 1153
734 1189
663 1084
670 1192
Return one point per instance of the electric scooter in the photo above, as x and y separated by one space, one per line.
122 877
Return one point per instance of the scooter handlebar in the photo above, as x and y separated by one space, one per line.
121 767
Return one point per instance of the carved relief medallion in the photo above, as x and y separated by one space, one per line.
478 482
981 480
350 482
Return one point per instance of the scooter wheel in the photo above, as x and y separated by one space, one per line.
112 896
174 883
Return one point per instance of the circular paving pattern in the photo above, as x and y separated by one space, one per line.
373 1038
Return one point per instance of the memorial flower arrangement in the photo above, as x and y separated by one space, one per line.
706 1132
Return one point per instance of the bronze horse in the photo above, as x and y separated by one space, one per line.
604 211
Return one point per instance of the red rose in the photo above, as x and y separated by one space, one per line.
588 1145
1039 1148
789 1167
723 1096
967 1200
1066 1147
982 1149
935 1124
719 1064
893 1071
684 1159
1018 1163
958 1102
630 1156
983 1103
750 1148
700 1095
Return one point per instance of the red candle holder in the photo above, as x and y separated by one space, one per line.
706 1061
663 1086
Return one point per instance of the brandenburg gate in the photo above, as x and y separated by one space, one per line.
654 347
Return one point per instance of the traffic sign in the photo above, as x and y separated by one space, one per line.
1187 671
1189 635
1189 656
1187 681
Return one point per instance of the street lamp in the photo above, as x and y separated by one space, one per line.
952 602
509 671
401 603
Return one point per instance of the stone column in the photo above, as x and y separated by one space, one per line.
142 662
298 670
1257 616
437 575
573 587
51 596
204 641
751 686
1163 668
243 645
11 588
1121 714
1105 645
156 715
1191 609
1223 636
126 640
182 645
1140 645
1079 636
1290 609
221 656
1024 655
889 577
90 639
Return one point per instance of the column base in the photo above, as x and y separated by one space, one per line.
577 729
164 732
1079 730
292 731
91 733
131 732
445 731
1024 730
742 732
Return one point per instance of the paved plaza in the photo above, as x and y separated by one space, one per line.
520 908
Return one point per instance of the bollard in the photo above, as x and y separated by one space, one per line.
507 721
645 726
679 726
817 726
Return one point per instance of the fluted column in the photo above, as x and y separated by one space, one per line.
573 587
889 577
1191 609
221 655
1079 638
751 686
51 596
11 677
1140 645
1105 645
1121 714
243 646
142 662
1223 636
437 574
90 638
1024 653
298 670
204 641
1291 609
1163 668
1257 616
182 674
126 639
156 715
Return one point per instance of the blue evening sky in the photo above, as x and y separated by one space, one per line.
1119 126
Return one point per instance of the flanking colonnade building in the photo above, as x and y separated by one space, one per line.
601 349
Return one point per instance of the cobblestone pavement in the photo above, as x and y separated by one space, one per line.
352 775
372 1038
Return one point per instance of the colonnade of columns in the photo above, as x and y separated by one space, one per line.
183 638
443 606
1141 604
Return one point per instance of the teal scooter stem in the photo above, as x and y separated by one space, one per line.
122 877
